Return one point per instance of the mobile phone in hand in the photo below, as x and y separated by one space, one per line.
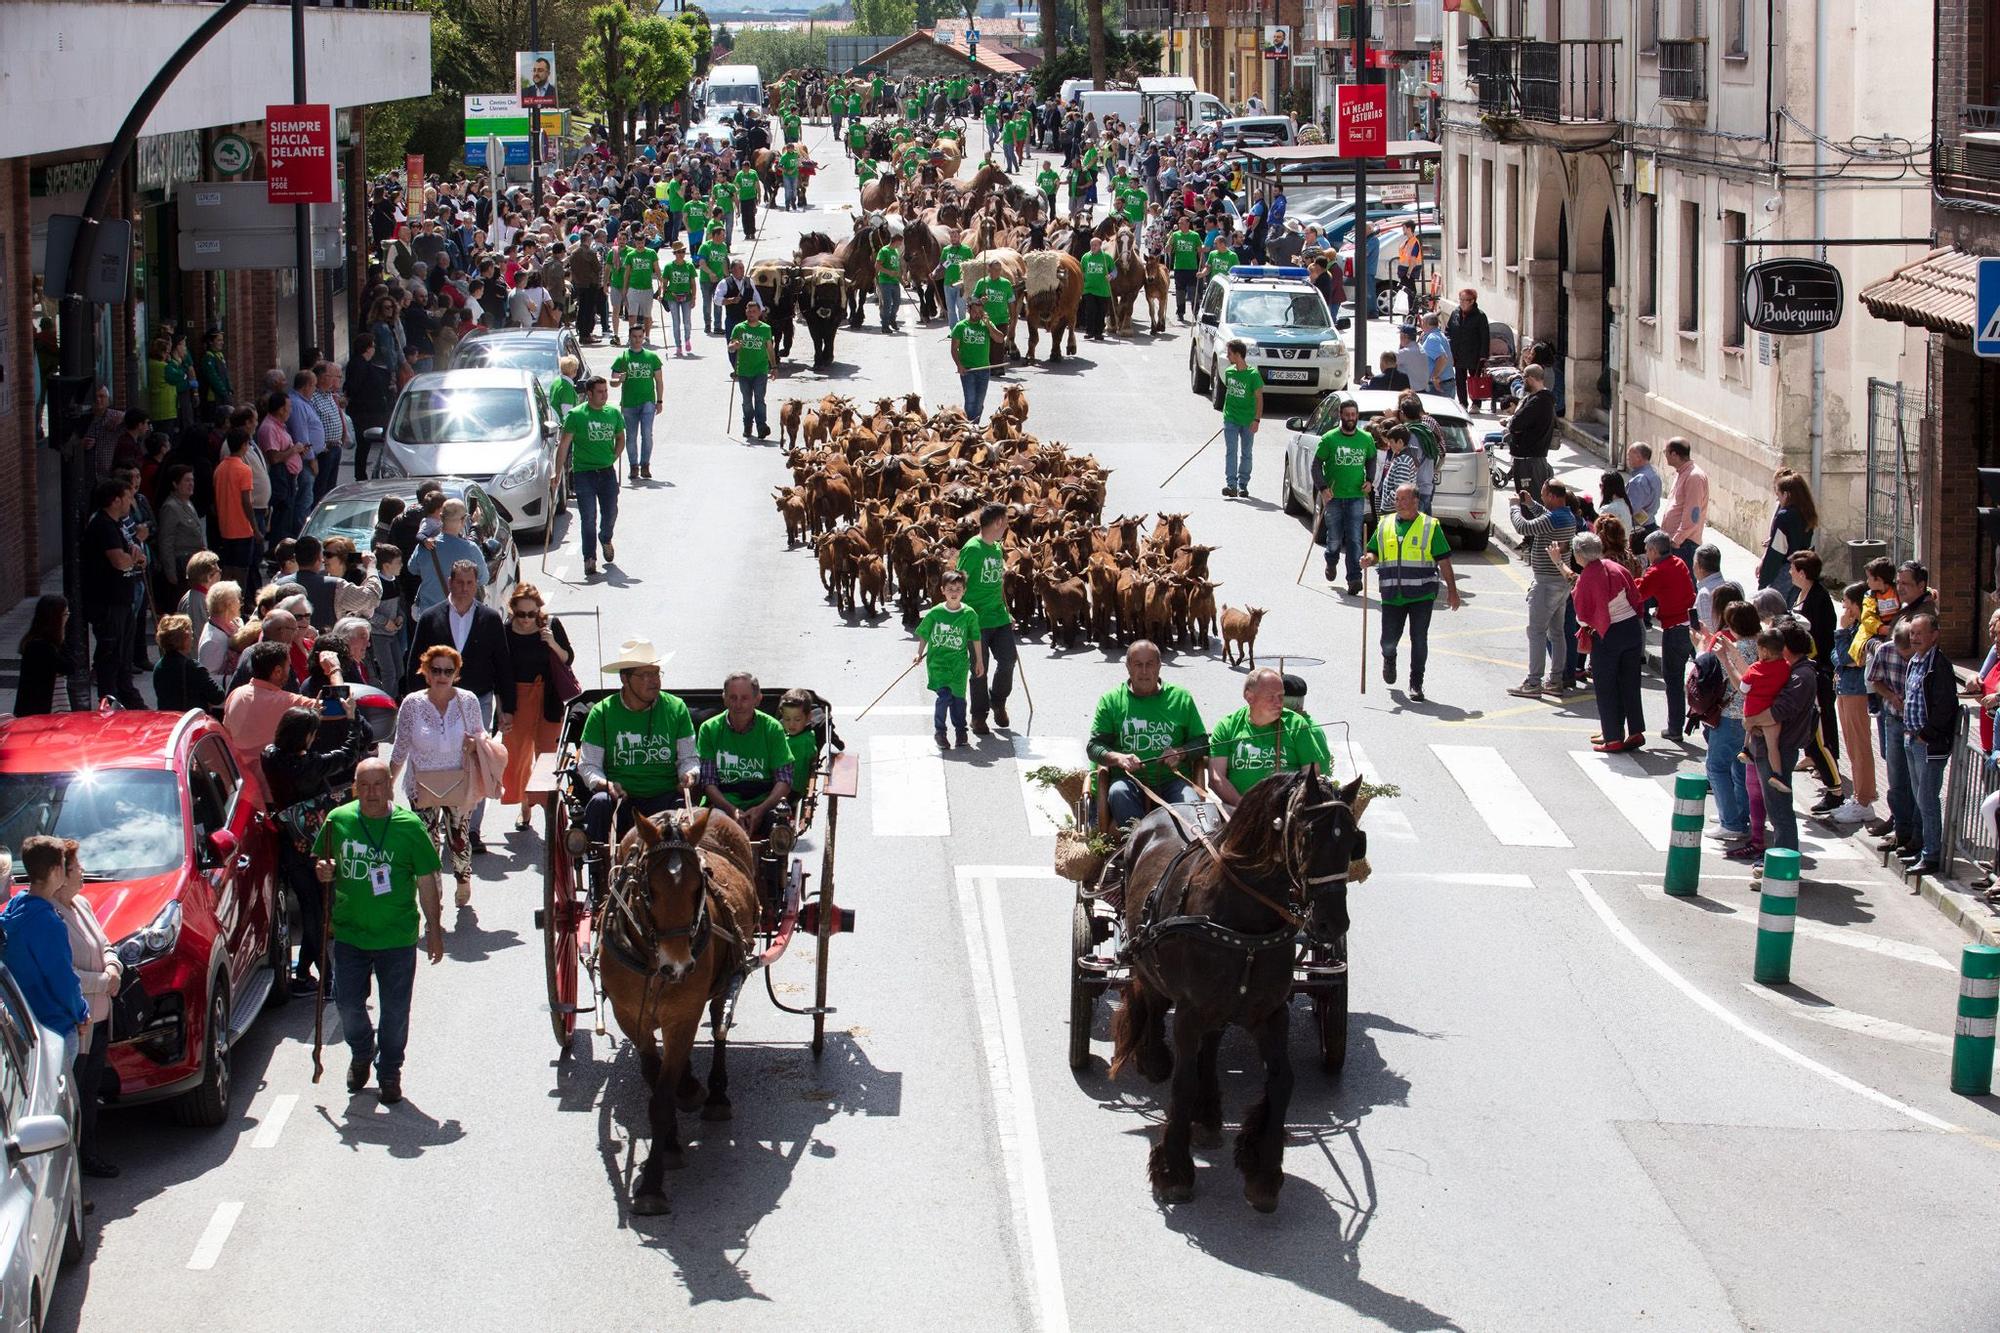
333 701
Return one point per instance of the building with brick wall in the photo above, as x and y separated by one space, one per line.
73 68
922 56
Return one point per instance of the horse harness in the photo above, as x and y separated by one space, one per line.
635 926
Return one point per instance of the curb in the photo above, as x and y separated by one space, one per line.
1973 918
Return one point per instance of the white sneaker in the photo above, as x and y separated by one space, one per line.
1852 812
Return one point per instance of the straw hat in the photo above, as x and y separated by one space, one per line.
634 653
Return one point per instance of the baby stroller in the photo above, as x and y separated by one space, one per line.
1498 382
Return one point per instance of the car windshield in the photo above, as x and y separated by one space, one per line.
1298 310
352 519
459 415
541 356
127 822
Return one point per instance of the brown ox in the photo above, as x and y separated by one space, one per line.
1053 290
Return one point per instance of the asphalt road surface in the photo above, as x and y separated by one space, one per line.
1564 1104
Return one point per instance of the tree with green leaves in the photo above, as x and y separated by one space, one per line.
885 18
664 66
701 34
608 68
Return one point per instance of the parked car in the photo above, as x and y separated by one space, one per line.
539 351
41 1199
1292 338
1463 500
349 511
181 861
493 426
1255 132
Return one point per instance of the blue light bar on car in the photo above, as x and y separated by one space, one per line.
1266 271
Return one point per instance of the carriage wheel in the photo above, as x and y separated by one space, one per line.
1330 1017
1082 994
827 925
560 919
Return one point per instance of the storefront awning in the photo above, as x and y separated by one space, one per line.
1935 293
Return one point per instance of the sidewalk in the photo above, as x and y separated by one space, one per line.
14 623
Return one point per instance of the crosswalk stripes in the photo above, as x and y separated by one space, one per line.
1045 810
906 777
1385 818
1645 803
1500 798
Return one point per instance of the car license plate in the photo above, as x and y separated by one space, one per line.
1277 376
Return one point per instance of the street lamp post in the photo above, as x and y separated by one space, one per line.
534 116
302 213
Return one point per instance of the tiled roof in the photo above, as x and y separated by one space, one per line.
1935 293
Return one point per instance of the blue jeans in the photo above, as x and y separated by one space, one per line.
792 190
1342 530
974 383
394 973
753 402
639 436
329 472
284 488
679 321
1126 802
954 302
1007 154
890 295
596 490
1903 810
1725 775
707 303
951 705
1927 786
1237 442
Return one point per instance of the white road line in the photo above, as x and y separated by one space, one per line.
274 1120
1013 1099
1046 812
1501 799
1848 1021
1646 805
1384 818
1469 878
209 1248
908 797
1841 935
1714 1008
916 368
852 712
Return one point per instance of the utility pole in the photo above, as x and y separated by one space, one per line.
534 114
302 213
1362 274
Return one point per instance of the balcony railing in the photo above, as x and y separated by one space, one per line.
1564 83
1684 70
1149 18
1967 155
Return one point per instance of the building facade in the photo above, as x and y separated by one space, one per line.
74 68
1611 169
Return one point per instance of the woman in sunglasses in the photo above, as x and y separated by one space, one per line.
543 684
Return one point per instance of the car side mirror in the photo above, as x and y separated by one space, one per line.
1211 319
221 847
36 1135
1344 322
1295 423
491 546
372 435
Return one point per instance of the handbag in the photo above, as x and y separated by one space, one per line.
562 680
1479 385
441 788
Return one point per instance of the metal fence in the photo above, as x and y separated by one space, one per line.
1968 782
1895 429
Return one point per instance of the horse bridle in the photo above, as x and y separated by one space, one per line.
639 928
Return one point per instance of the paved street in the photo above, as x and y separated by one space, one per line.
1564 1105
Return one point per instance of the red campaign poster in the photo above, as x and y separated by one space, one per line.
1361 120
413 169
299 149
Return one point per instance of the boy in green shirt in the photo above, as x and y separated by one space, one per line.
949 635
746 201
1047 180
592 439
641 261
1242 407
972 340
750 356
1098 268
1346 456
996 293
788 166
951 271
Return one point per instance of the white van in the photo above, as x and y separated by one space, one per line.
734 86
1154 109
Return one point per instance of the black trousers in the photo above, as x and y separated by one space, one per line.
1417 615
1615 665
1184 292
991 690
112 663
591 310
748 208
363 446
1675 650
1093 312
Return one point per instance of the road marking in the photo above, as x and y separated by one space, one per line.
1848 1021
1841 935
209 1248
1469 878
916 368
1624 936
1046 811
1501 799
907 775
1646 805
1384 818
274 1120
1013 1100
852 712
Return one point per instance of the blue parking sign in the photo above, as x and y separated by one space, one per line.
1986 307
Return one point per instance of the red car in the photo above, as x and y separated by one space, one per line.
182 864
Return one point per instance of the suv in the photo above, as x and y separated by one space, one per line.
41 1192
1463 500
1293 339
182 868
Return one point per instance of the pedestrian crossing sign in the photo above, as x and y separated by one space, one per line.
1986 306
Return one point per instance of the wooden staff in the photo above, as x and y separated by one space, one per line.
1191 457
1319 518
1364 632
885 693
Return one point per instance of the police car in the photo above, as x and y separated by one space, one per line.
1292 338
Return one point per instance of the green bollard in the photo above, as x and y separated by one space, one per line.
1684 841
1978 1003
1777 910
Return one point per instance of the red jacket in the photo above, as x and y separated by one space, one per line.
1670 587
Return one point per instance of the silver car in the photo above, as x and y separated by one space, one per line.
1463 500
41 1199
493 426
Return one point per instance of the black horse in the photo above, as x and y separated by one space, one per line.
1213 924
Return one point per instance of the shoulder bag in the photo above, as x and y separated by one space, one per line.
444 788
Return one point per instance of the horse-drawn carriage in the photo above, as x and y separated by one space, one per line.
572 897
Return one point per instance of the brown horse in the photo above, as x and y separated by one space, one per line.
679 922
1213 940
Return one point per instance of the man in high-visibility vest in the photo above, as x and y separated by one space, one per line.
1409 554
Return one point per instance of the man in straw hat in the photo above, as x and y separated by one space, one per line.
637 747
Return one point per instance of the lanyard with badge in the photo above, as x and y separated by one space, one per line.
378 870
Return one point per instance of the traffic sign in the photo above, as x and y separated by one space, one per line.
1986 308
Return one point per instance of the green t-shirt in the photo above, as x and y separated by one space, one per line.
985 567
1251 752
992 117
1018 127
792 135
888 265
677 279
913 165
974 340
1185 249
614 266
697 215
715 259
746 185
805 756
1440 549
1135 205
788 161
637 365
563 396
953 256
753 350
879 86
1221 260
1239 395
997 295
1047 180
675 196
864 170
363 917
593 437
1088 162
950 635
751 758
640 262
857 136
641 750
1097 266
1344 458
1148 726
